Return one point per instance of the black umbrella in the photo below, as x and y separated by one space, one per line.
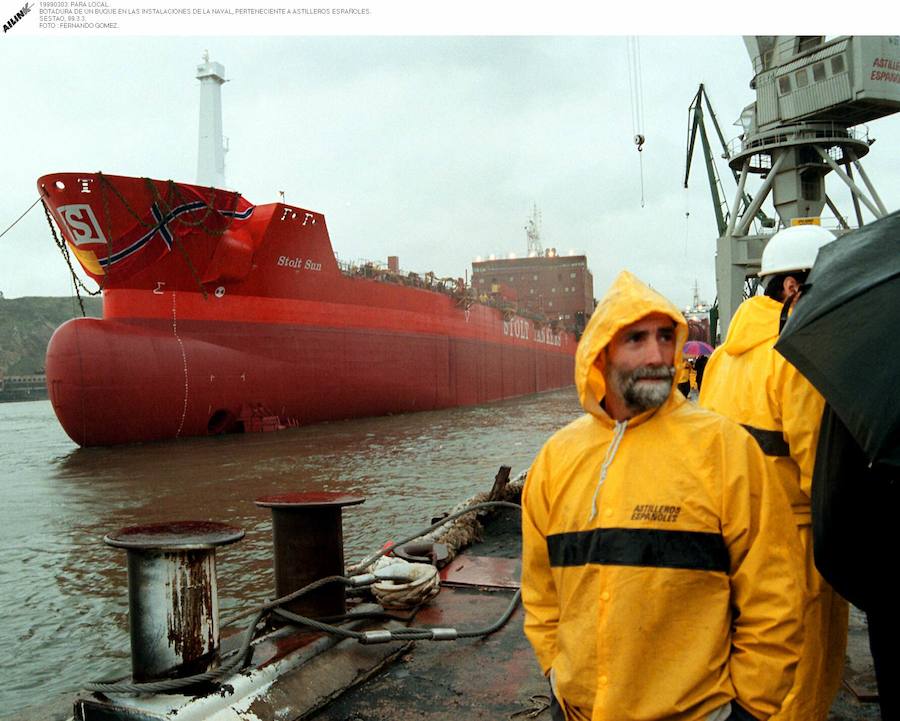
844 334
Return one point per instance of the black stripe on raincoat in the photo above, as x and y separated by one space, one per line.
652 547
771 443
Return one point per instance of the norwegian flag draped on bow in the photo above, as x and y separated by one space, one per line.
117 226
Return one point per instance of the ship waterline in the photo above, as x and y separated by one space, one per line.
114 382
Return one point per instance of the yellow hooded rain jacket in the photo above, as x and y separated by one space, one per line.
747 380
657 575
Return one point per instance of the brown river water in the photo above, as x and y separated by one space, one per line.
63 605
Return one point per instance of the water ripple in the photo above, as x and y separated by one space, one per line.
64 602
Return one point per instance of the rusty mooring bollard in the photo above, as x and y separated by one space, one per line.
173 604
308 537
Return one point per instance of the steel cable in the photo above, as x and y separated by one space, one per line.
421 633
20 217
273 606
499 623
178 683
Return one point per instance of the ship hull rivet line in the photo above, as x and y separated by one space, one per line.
172 596
307 535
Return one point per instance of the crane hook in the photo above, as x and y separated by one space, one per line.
639 141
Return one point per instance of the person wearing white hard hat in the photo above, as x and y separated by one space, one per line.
787 259
749 382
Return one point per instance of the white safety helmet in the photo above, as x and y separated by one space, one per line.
793 248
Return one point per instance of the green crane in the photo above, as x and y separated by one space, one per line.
695 113
720 205
717 192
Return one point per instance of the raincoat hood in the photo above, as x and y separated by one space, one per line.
626 302
752 325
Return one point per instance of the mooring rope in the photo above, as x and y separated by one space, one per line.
369 560
64 251
21 216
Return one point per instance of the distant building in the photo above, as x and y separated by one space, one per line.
555 286
31 387
697 316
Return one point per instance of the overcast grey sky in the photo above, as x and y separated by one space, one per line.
430 148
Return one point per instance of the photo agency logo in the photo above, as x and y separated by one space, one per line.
15 18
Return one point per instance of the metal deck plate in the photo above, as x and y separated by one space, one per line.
482 571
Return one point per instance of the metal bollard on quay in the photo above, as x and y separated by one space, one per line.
308 540
173 605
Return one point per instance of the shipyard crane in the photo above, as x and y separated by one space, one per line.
697 126
810 95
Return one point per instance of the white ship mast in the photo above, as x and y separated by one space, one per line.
211 149
533 234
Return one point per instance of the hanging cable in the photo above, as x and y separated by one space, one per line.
64 250
636 93
641 166
21 216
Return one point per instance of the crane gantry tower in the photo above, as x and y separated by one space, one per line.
810 95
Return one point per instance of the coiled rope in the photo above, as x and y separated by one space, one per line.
423 585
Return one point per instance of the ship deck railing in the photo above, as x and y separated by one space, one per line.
464 294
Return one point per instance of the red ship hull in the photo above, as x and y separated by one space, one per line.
255 327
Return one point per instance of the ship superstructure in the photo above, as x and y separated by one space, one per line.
543 282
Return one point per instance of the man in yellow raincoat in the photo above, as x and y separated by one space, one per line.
657 572
751 383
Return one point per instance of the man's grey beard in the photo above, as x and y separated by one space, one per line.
644 396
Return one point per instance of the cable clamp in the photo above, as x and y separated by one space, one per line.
398 571
444 634
363 579
370 637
